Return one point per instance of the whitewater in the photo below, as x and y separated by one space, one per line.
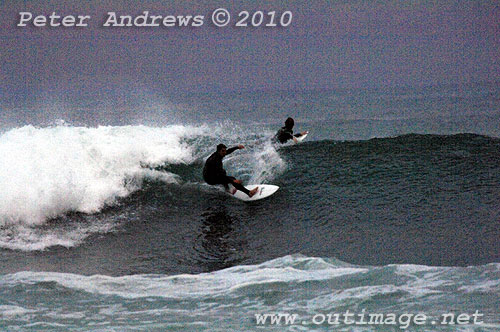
48 172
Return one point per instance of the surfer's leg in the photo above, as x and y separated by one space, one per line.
225 181
237 184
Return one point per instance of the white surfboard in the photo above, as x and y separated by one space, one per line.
301 138
265 190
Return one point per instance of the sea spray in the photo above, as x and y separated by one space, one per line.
49 171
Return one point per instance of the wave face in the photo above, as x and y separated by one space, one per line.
230 299
133 199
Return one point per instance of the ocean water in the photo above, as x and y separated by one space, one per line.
390 206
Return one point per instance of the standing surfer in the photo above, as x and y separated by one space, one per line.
214 173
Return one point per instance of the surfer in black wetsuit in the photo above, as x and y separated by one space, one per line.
214 173
286 132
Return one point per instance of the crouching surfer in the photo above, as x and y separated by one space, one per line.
214 173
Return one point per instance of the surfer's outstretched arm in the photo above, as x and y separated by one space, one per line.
234 148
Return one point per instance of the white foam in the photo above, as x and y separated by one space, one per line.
47 172
489 286
12 311
29 238
186 285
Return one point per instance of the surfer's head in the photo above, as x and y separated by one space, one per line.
289 123
222 149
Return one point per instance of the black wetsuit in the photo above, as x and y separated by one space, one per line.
285 134
214 173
